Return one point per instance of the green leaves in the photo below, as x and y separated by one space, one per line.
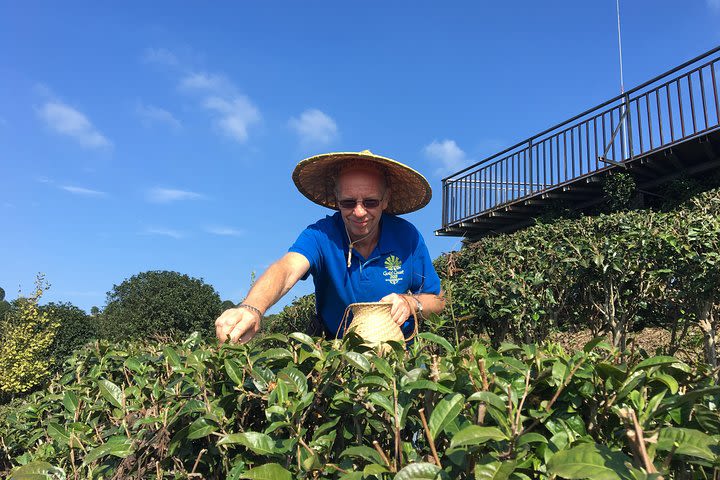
358 360
202 427
589 460
253 412
234 371
418 471
259 443
118 446
445 412
687 442
37 471
476 435
111 392
58 432
438 340
269 471
71 402
490 469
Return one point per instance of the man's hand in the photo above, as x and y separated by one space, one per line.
240 324
400 310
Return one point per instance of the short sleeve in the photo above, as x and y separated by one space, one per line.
425 278
308 245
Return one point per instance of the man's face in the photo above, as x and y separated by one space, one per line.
363 188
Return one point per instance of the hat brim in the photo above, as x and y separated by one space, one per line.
315 178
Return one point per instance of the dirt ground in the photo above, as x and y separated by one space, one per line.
652 340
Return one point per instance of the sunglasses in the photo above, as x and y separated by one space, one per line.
366 203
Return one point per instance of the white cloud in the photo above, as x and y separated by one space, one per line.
167 195
233 116
68 121
714 5
83 191
151 114
224 231
44 179
206 81
43 90
160 56
232 112
164 232
314 126
448 155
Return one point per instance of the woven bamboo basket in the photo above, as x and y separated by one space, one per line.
373 322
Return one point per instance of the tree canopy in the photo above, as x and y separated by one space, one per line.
159 303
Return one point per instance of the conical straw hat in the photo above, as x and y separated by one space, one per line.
315 178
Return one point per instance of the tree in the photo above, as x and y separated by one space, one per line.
75 329
159 303
4 305
28 333
293 318
227 304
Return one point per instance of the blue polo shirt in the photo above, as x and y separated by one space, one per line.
400 263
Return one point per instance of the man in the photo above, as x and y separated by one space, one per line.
362 253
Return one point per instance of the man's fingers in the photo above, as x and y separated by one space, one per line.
248 335
221 326
244 330
236 324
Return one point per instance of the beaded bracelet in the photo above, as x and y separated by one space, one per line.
251 308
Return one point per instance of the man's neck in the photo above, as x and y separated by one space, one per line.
366 245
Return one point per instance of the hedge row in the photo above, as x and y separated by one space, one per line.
298 407
611 273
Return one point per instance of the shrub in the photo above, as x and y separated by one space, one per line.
75 329
25 350
318 409
4 306
159 303
610 273
619 189
295 317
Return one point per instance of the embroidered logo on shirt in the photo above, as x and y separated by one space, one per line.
393 270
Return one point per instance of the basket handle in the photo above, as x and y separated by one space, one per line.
343 322
413 312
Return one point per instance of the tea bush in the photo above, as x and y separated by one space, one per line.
611 273
317 409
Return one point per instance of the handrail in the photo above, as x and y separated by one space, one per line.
641 120
590 110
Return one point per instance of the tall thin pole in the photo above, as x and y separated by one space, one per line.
622 85
617 9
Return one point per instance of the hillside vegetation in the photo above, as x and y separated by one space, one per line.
611 273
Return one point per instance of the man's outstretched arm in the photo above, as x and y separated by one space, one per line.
241 324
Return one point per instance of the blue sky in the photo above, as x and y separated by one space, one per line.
162 135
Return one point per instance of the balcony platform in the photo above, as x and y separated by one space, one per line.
665 129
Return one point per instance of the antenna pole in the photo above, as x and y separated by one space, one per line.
623 110
617 9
